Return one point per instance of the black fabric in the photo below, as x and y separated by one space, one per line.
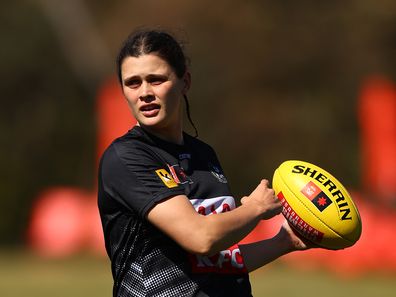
137 171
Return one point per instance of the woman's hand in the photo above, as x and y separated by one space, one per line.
263 198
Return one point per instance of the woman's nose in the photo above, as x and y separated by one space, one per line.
146 91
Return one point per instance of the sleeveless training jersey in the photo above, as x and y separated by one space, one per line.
139 170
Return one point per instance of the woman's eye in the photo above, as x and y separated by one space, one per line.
132 83
157 80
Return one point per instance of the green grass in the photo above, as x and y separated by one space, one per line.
25 275
279 280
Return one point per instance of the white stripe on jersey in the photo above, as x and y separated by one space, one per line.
213 205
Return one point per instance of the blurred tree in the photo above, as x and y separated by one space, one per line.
47 120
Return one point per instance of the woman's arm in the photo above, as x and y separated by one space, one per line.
258 254
206 235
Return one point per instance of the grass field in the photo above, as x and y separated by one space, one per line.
25 275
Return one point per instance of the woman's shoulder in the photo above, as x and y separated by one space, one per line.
198 143
132 143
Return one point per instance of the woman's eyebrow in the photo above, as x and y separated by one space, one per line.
156 76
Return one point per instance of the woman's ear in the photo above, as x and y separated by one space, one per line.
187 82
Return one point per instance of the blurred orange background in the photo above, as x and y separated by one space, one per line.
272 81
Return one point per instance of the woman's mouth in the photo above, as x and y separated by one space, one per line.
150 110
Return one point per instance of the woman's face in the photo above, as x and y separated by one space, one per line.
154 92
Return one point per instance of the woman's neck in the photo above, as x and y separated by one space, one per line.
173 136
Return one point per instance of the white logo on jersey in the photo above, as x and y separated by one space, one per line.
217 173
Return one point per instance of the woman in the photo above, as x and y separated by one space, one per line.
170 223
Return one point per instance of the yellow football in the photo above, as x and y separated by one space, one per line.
317 205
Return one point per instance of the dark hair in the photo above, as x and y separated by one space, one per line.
161 43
